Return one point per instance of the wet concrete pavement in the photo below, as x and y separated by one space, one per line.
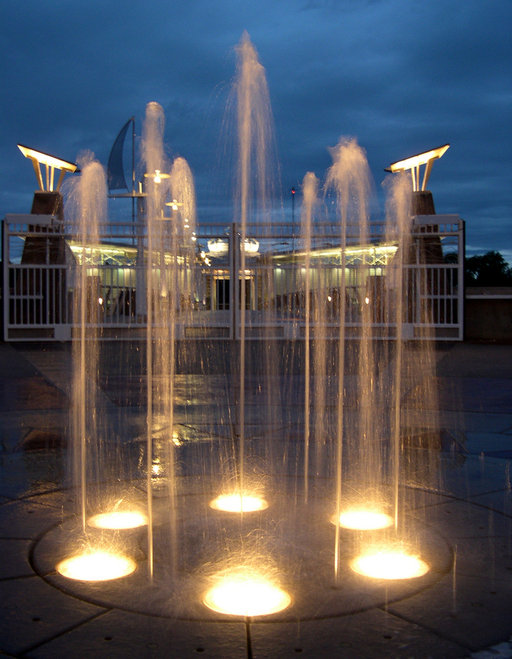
461 610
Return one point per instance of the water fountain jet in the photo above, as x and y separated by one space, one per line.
357 445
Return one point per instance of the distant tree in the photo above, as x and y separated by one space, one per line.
451 257
488 269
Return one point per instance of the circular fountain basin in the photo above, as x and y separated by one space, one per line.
292 543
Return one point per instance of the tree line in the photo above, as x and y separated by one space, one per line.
489 269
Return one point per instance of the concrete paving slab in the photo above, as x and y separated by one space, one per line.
488 443
486 422
459 519
464 611
24 473
32 612
118 635
488 558
27 519
367 635
499 500
15 425
419 502
474 360
64 500
503 650
14 562
482 421
14 362
32 393
461 614
489 395
469 476
53 362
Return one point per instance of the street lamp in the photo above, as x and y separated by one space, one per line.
157 176
51 163
292 192
413 163
174 204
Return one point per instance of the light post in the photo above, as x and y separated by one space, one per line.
292 192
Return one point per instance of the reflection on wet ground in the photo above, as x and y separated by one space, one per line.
461 609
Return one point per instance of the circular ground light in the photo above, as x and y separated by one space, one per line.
125 519
247 594
390 564
96 566
234 503
360 519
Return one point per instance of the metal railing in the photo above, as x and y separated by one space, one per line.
39 293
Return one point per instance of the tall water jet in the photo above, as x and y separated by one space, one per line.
398 223
87 206
184 236
159 295
413 375
370 401
91 455
251 296
183 206
409 370
252 202
177 292
349 176
310 198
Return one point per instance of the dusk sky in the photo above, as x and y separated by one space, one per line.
400 76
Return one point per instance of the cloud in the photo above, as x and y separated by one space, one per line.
400 76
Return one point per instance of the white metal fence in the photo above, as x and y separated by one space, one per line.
40 283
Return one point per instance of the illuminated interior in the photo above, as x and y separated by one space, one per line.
371 255
389 564
121 519
104 254
251 246
96 566
245 592
220 247
235 503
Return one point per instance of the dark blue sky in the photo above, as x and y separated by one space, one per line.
401 76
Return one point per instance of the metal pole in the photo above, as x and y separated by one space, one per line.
293 217
133 179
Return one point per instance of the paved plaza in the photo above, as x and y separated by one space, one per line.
462 608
